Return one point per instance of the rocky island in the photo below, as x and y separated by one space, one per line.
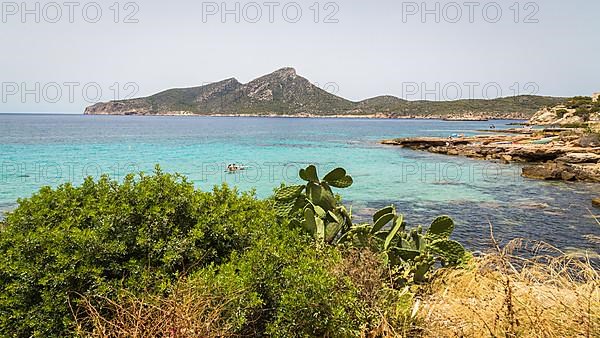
284 93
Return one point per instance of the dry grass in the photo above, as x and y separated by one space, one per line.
504 295
389 309
186 313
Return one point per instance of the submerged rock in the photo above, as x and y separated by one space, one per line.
535 154
532 205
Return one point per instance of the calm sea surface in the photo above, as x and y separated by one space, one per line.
38 150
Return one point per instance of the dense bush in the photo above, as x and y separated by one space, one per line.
296 290
579 101
282 286
78 260
154 254
140 235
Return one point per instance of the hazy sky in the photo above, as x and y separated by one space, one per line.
357 49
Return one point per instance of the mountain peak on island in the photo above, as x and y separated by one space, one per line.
282 74
285 93
285 71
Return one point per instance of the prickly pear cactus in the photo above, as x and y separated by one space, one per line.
421 267
338 178
309 174
406 254
441 228
288 193
413 253
321 215
284 208
450 251
289 200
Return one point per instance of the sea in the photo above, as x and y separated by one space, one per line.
52 149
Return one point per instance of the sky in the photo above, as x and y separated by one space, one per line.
64 56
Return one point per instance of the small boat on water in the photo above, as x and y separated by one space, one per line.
232 168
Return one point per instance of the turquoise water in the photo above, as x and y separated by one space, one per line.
37 150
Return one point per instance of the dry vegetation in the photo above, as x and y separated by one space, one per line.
390 309
188 312
193 311
500 294
504 295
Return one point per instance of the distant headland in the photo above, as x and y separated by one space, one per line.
284 93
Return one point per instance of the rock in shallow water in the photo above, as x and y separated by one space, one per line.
579 158
546 171
564 171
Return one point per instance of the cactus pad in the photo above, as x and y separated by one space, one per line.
441 228
341 183
287 193
452 251
382 212
397 226
382 221
309 174
335 174
284 208
310 223
406 254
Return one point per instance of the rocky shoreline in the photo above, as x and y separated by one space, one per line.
450 118
549 154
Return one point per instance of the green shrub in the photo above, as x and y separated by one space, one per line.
561 113
281 286
299 293
583 112
579 101
140 235
73 257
